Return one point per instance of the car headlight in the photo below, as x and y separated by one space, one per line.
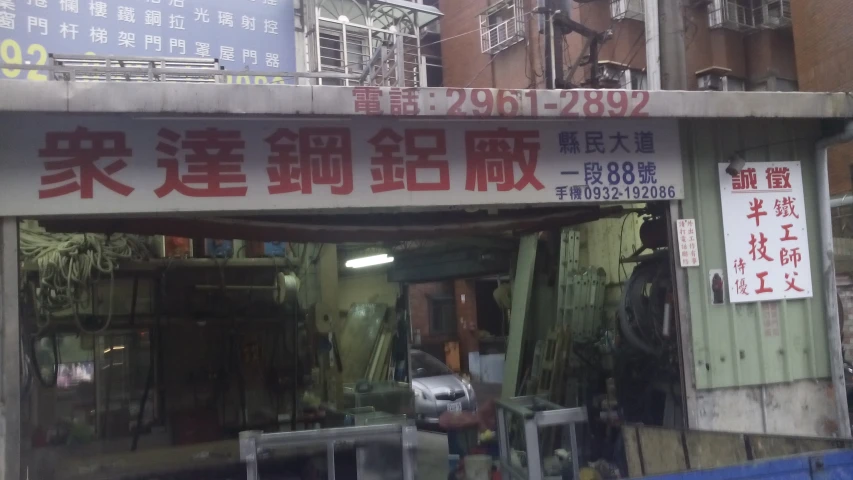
419 393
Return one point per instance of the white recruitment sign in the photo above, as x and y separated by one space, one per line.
688 246
53 165
764 221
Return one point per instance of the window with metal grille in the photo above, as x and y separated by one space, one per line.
771 13
502 25
731 14
331 53
442 315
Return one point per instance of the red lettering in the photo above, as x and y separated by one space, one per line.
755 207
790 256
313 156
788 237
404 101
740 266
284 168
762 288
387 166
778 178
741 286
758 247
425 145
80 150
492 157
790 280
367 100
785 208
393 172
745 180
214 163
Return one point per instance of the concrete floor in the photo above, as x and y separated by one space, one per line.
432 456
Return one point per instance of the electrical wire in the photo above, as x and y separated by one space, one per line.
478 30
69 263
481 70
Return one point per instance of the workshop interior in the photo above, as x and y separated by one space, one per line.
200 347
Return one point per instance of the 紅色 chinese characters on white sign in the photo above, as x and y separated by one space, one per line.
65 165
764 220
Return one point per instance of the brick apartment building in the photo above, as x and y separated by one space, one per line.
824 45
730 44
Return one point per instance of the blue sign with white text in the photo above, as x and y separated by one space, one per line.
255 35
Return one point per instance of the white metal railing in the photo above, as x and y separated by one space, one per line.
108 68
731 14
501 26
772 13
500 36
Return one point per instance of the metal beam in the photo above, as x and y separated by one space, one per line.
564 22
522 286
10 342
833 329
151 101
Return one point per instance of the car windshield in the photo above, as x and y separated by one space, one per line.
424 365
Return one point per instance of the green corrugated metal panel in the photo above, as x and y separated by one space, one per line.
730 345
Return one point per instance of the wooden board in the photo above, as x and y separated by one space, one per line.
522 286
711 450
662 451
655 450
633 458
771 446
358 338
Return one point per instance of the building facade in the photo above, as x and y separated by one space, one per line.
730 45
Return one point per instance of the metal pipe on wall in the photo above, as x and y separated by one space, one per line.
10 342
833 329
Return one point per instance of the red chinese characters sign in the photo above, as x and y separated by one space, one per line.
66 165
767 248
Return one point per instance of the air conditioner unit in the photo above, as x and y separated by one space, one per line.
711 81
611 76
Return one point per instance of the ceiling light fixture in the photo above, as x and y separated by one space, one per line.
369 261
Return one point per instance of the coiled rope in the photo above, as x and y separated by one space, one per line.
68 263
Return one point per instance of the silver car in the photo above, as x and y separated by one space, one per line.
437 389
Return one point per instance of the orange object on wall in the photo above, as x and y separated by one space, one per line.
451 356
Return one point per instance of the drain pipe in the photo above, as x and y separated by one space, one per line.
833 329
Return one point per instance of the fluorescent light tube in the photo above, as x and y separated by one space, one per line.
369 261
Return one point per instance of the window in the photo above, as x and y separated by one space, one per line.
502 26
631 9
720 83
730 14
771 13
330 50
442 315
636 80
425 365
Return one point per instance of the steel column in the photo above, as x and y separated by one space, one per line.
10 374
833 329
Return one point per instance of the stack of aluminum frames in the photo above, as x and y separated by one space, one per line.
383 452
535 413
580 294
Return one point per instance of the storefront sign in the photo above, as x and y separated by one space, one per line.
688 247
764 221
61 165
255 35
